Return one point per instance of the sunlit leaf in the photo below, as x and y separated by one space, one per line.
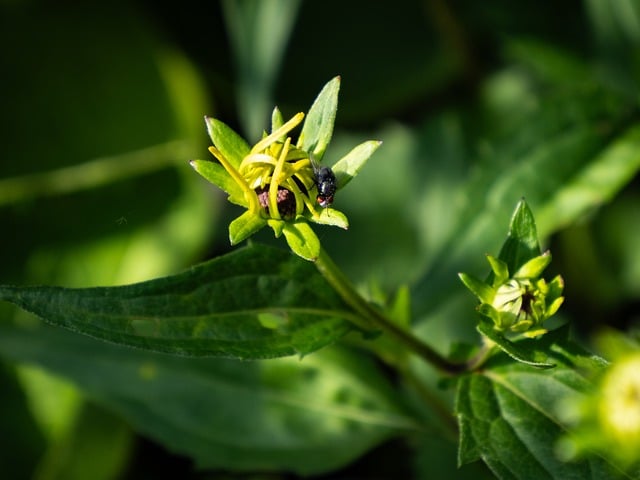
211 309
509 417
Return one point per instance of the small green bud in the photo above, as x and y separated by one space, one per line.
520 302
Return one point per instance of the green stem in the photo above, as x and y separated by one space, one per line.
91 174
332 273
475 362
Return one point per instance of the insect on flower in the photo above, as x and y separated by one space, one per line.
277 181
326 184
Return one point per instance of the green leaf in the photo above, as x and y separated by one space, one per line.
244 226
318 125
524 351
211 309
216 174
521 244
595 185
302 240
509 417
231 145
348 166
307 416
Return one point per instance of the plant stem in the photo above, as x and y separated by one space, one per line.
91 174
332 273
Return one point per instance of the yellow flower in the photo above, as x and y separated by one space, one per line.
276 180
619 407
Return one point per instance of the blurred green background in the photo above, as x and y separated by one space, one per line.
478 105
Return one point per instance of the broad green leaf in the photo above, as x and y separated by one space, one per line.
524 351
302 240
214 308
244 226
307 416
348 166
231 145
216 174
318 125
521 244
509 417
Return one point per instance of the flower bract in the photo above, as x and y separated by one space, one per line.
276 180
518 302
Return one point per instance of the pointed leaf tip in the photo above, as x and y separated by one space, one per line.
521 244
318 126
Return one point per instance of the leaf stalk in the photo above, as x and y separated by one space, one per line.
338 280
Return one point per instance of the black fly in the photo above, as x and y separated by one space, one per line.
326 184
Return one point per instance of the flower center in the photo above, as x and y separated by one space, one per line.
285 200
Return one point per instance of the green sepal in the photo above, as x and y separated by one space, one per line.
230 144
480 289
553 308
302 240
277 121
534 267
318 126
499 268
556 286
348 166
216 174
244 226
276 225
330 216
